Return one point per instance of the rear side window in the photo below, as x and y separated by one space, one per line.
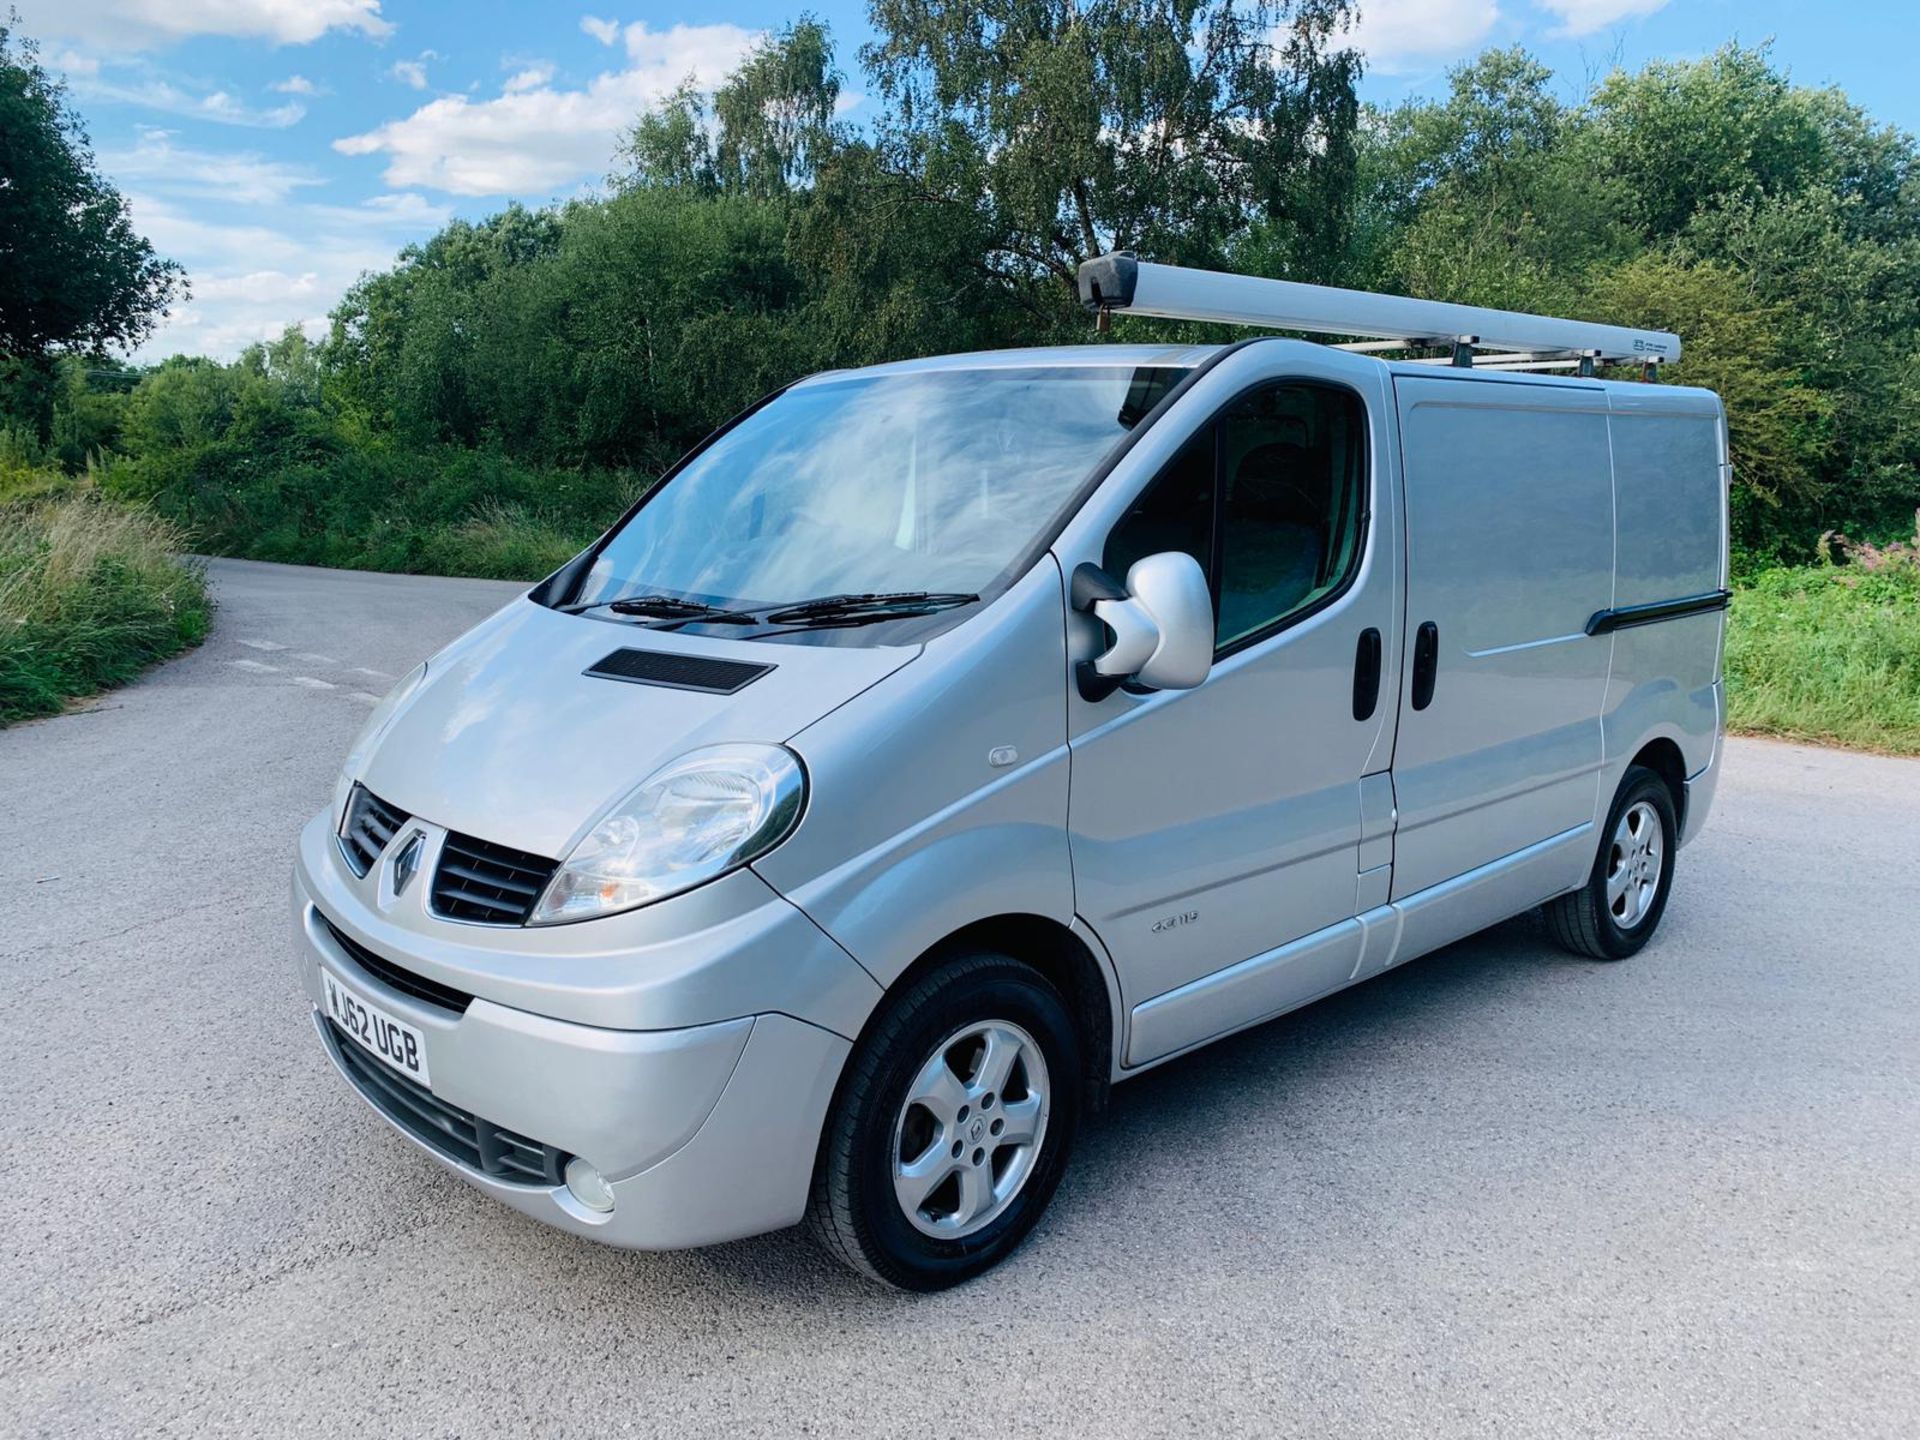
1270 498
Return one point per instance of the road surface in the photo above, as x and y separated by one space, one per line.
1497 1192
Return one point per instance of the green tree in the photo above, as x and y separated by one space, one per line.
394 354
290 364
1489 196
1682 135
89 405
775 113
890 272
765 133
1738 346
1066 128
73 272
182 404
1776 227
670 146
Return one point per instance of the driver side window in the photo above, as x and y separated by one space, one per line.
1269 497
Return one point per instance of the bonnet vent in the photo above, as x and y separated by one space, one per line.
678 672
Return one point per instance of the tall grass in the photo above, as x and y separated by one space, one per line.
317 500
503 542
1829 653
90 594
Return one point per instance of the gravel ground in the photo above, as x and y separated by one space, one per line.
1498 1191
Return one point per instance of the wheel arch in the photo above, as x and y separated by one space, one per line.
1662 755
1064 957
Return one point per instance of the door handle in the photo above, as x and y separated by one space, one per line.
1366 674
1426 660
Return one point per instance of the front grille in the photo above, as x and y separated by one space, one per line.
370 827
392 976
487 883
458 1134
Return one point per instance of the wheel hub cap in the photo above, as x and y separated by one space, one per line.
970 1130
1634 860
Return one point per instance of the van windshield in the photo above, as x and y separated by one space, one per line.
931 481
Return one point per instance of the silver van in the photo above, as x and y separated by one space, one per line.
942 742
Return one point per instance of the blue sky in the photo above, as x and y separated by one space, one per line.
278 148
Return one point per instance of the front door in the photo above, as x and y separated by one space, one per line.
1217 832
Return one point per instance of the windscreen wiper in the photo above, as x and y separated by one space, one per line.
866 608
669 608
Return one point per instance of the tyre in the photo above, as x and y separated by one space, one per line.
952 1126
1618 909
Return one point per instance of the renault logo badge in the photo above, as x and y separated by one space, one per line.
407 863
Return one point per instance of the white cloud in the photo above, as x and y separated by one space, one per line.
241 178
123 25
537 139
138 85
402 211
531 78
1402 35
1583 17
605 31
72 62
297 85
250 280
410 72
228 111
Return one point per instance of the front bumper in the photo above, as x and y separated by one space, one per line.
705 1132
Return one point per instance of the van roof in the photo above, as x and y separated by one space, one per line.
1188 356
1131 356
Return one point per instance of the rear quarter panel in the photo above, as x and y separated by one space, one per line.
1670 499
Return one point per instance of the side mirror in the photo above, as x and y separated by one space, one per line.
1162 624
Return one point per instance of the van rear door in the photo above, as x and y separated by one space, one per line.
1509 505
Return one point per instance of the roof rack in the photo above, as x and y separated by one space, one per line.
1120 283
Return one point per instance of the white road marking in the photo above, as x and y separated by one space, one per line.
363 697
263 644
369 670
254 667
313 684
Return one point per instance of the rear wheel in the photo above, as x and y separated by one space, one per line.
952 1127
1616 912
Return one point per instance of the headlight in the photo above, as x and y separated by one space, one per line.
362 748
692 820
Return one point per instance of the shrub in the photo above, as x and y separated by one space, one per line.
90 595
1829 653
287 488
502 542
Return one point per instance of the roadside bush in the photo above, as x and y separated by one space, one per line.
286 487
90 594
503 542
1829 653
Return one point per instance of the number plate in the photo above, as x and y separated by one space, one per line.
375 1031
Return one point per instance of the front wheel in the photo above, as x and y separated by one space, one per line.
1616 912
952 1126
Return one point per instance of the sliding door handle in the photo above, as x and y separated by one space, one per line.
1366 674
1426 660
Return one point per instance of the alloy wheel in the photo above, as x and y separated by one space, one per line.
1634 864
969 1132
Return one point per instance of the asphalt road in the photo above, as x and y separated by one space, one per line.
1497 1192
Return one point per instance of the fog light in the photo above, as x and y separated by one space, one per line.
589 1186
